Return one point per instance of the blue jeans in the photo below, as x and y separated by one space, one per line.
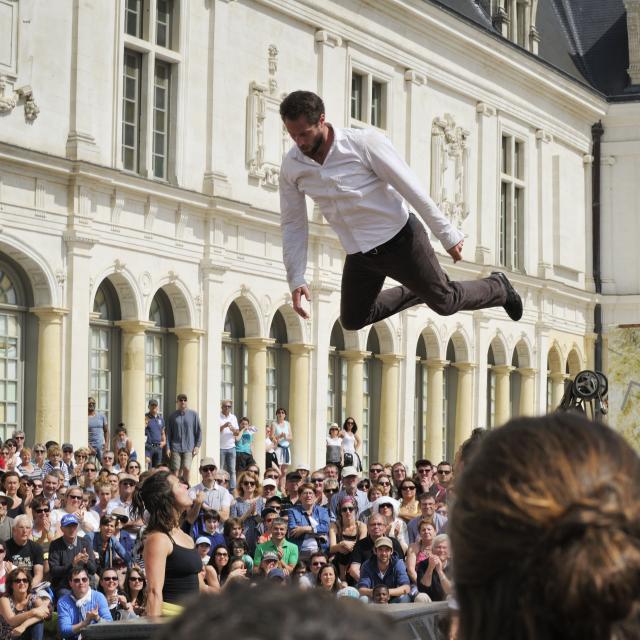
228 464
34 632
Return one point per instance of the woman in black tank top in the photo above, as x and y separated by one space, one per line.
172 563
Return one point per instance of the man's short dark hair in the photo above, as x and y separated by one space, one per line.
182 396
423 463
302 103
279 614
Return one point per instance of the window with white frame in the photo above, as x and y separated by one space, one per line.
368 100
150 66
512 203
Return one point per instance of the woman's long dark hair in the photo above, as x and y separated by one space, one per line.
141 598
354 428
155 495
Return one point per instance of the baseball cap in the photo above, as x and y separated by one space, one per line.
304 466
383 542
293 476
350 471
266 511
68 520
208 462
269 483
153 402
127 476
270 555
203 540
67 447
277 574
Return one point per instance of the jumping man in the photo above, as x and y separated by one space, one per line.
362 187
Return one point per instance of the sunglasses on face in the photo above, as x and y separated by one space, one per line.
347 509
444 472
80 580
136 579
21 581
249 483
408 488
110 578
43 510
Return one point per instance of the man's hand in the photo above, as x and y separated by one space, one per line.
455 252
296 297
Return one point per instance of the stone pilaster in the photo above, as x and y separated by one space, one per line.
464 402
299 408
435 425
390 422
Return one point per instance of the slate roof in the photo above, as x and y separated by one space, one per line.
585 39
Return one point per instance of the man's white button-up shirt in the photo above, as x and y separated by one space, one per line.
361 189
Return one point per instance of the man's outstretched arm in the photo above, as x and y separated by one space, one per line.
387 164
295 237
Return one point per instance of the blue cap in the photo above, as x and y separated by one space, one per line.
276 573
69 519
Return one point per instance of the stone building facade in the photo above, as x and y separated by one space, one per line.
140 249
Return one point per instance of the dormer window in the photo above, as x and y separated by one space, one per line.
516 21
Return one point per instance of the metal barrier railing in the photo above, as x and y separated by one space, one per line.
414 621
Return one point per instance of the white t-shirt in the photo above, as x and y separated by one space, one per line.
227 439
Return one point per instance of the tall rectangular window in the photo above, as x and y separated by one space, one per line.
366 411
9 374
272 384
356 96
150 62
368 100
512 203
163 23
377 104
131 110
161 119
226 373
331 388
100 369
154 367
133 18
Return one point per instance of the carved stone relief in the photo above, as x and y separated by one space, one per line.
9 99
450 169
267 139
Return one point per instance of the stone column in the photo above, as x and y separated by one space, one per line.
557 389
389 407
435 380
49 383
503 387
464 402
299 409
133 379
527 388
189 364
355 370
257 393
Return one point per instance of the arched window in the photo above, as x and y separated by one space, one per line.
160 354
277 367
449 397
420 402
104 351
233 378
337 378
371 391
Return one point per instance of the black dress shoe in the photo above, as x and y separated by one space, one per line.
513 305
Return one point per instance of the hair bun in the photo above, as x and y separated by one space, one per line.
595 567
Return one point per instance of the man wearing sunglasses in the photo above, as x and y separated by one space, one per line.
67 552
208 494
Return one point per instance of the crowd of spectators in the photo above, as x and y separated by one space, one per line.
68 522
